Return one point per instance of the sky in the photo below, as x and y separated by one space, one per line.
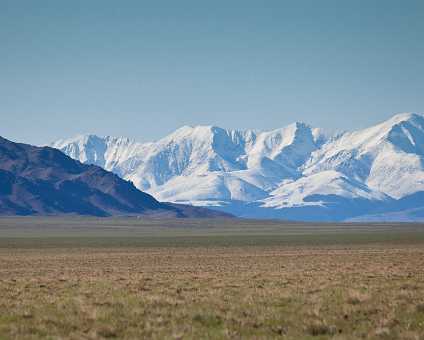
142 69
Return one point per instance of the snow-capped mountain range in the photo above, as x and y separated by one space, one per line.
296 172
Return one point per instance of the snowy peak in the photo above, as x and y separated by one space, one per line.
354 153
199 150
85 148
106 152
296 143
375 135
407 133
294 167
404 117
395 130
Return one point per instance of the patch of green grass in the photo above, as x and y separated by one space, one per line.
41 232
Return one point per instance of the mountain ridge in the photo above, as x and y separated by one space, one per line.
44 181
275 172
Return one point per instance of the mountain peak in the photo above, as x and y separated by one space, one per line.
299 125
209 165
44 181
193 131
404 116
408 117
90 137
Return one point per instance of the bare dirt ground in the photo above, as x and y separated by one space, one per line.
81 285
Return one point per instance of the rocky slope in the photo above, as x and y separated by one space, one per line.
41 181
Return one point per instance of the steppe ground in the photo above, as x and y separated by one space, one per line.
197 279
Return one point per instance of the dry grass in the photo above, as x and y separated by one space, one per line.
213 292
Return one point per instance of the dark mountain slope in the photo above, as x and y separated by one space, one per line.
40 181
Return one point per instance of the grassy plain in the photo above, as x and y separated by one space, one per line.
194 279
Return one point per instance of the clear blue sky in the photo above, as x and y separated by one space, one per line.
144 68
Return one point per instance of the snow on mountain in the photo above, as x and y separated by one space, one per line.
271 173
388 157
106 152
322 184
210 162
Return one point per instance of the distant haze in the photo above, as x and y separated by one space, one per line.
142 69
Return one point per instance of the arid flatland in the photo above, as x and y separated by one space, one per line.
90 279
